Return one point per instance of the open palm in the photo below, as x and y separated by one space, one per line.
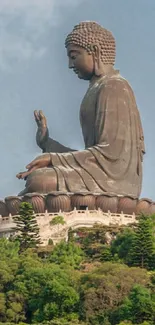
42 132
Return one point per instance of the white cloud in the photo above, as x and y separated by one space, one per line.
23 24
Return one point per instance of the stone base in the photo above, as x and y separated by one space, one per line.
56 201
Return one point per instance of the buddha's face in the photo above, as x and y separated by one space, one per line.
80 61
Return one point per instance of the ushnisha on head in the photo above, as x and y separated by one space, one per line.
91 39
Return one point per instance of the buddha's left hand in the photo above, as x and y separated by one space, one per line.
39 162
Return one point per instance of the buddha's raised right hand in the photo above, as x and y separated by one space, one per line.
42 132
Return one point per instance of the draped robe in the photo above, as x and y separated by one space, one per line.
114 144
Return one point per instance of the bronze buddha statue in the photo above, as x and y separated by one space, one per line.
111 162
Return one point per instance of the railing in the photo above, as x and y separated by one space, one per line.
73 216
71 213
73 219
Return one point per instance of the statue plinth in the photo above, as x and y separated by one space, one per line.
56 201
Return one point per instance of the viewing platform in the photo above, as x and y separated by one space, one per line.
74 219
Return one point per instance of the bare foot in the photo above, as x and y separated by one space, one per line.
22 175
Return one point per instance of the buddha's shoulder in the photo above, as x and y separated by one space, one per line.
115 80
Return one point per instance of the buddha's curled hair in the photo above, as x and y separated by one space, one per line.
89 33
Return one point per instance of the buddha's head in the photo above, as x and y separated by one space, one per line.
91 50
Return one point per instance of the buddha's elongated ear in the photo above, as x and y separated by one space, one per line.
95 48
98 64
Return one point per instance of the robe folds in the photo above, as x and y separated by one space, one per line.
111 162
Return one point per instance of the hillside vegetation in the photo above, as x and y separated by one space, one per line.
85 281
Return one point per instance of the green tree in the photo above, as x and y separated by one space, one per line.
49 291
67 254
58 220
121 246
104 288
105 254
26 227
130 323
9 260
142 249
63 321
11 304
2 306
138 307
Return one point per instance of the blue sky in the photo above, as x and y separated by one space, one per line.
34 74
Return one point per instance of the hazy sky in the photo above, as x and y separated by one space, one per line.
34 74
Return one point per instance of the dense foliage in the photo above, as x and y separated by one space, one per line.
85 281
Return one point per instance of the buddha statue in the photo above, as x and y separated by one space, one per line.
111 161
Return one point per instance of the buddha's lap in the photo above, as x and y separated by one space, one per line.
42 180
